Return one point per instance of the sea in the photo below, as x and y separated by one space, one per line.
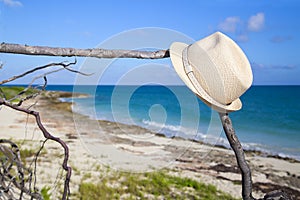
269 120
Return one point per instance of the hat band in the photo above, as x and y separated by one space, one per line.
190 74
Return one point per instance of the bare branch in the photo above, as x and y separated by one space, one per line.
96 52
240 157
62 64
35 161
66 66
47 135
13 173
16 106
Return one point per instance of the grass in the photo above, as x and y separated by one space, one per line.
24 153
66 106
45 192
12 91
10 163
27 153
152 185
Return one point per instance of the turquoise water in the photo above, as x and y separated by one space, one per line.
269 120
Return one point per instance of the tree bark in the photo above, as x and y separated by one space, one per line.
68 52
239 154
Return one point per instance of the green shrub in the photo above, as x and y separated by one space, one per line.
156 184
45 193
12 91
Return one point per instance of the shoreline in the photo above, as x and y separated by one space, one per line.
247 151
263 159
128 147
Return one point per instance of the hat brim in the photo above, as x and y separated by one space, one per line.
176 50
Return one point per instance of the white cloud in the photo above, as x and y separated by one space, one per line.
242 38
229 24
256 22
12 3
278 66
281 39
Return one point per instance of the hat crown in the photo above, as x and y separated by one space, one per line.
220 67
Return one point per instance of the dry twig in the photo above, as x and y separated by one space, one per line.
13 158
15 177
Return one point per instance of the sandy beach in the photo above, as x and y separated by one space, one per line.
98 145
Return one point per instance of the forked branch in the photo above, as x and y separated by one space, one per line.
47 135
17 106
61 64
14 175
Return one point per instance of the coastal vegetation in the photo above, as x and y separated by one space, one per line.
150 185
16 93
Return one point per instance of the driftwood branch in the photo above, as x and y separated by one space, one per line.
68 52
61 64
47 135
239 154
17 106
64 65
15 177
245 169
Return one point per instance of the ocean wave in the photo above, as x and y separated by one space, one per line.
62 99
192 134
186 133
86 111
156 125
170 130
271 150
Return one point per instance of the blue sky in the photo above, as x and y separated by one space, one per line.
268 31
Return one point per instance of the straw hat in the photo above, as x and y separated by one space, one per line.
215 69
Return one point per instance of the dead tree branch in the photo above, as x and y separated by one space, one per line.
47 135
64 65
13 173
242 163
239 154
17 106
96 52
61 64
